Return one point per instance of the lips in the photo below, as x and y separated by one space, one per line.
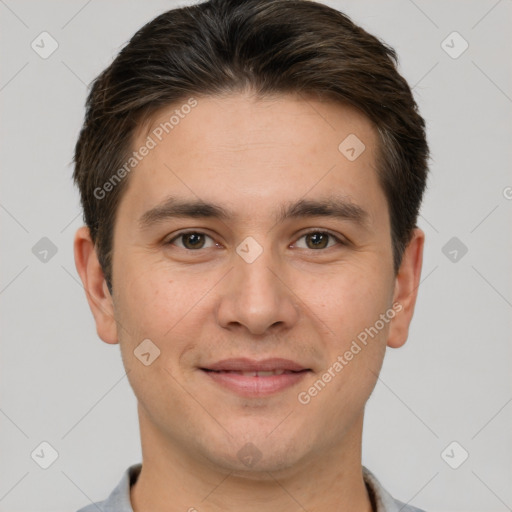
252 378
250 365
254 373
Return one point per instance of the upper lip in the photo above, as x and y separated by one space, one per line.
251 365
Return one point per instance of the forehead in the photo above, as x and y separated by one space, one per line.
252 152
243 119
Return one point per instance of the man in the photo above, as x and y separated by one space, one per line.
251 174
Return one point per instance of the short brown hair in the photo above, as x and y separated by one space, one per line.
267 46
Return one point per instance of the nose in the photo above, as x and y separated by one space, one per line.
257 297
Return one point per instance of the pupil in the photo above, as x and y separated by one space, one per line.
318 239
193 240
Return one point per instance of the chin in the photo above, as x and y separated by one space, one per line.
254 453
259 469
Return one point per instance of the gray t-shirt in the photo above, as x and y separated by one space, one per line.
119 499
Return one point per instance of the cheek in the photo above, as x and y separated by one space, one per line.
148 300
163 306
353 311
355 352
148 308
355 299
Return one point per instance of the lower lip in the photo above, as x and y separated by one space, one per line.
255 386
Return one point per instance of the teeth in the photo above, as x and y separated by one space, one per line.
264 374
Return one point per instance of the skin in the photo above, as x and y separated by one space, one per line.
199 306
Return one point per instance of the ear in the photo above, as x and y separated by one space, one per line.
95 285
407 282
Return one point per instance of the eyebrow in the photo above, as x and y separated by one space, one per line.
334 206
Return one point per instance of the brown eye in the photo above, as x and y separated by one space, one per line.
192 240
318 240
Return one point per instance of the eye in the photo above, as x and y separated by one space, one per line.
192 240
318 240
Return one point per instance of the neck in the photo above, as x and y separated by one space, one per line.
172 479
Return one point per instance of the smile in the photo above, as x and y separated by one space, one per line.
249 378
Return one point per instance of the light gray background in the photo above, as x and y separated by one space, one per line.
450 382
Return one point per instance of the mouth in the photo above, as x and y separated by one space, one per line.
250 378
268 373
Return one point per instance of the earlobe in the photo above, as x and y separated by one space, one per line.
96 290
406 289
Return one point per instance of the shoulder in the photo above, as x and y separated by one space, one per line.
383 501
119 499
403 507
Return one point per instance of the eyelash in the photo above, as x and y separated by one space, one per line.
313 231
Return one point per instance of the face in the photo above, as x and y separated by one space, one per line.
248 240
